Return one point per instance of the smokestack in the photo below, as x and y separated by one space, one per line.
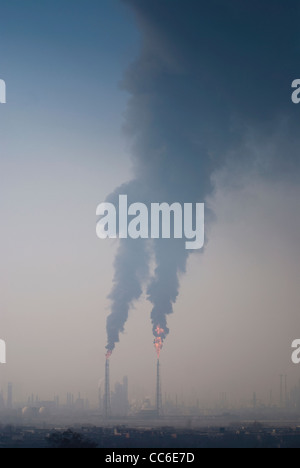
254 400
10 396
107 407
285 392
281 390
158 391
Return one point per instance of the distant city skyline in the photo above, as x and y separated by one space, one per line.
125 402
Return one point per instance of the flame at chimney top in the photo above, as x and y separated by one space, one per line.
158 341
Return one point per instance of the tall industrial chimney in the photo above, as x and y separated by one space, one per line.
281 390
158 391
107 407
285 392
10 396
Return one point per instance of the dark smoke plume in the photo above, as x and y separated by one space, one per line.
210 73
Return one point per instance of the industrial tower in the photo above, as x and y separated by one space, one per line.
158 391
107 406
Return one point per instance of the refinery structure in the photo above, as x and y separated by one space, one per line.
149 411
117 402
118 405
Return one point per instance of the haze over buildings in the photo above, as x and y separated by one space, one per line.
194 82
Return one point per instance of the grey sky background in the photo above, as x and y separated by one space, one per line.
202 120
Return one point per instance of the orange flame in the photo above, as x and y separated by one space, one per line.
159 331
158 341
108 354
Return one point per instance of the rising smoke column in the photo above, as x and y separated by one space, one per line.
130 271
208 73
131 268
171 258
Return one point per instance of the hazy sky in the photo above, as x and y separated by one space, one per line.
205 99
